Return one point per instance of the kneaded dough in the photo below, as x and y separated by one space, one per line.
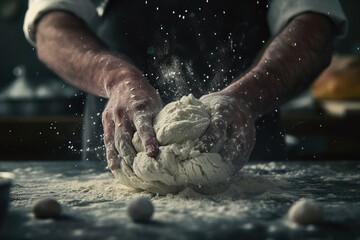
178 127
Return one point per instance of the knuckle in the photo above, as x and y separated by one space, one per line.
124 141
120 111
108 125
106 118
218 106
124 137
107 139
139 105
144 128
106 114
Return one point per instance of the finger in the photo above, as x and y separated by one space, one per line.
144 127
212 138
112 156
123 136
111 152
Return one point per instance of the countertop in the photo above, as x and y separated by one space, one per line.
94 204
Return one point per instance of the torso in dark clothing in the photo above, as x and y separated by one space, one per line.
188 46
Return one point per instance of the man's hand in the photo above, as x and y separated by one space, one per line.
287 65
68 47
231 131
132 105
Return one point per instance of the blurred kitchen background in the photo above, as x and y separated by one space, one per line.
41 116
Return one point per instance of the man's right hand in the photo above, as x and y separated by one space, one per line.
68 47
133 103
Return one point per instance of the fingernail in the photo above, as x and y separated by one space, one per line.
152 151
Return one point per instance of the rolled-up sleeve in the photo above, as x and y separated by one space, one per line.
84 9
282 11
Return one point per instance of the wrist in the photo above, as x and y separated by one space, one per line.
243 91
116 73
258 88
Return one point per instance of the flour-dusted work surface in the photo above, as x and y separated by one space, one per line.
254 206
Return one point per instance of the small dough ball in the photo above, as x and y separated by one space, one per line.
47 208
140 209
305 211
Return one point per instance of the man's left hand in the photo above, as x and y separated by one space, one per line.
231 131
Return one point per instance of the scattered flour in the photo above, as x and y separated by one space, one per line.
97 205
254 202
179 164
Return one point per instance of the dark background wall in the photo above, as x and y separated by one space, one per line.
14 49
351 44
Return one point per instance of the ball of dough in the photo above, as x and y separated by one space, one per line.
305 212
140 209
46 208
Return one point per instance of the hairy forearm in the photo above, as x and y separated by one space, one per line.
67 46
288 64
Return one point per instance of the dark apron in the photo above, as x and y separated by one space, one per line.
186 47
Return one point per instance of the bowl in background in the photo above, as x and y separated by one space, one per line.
6 179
